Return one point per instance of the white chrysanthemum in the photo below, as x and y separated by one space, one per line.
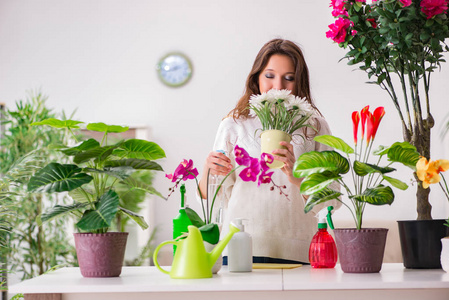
280 94
300 104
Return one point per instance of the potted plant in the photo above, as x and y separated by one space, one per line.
90 181
254 169
358 252
399 43
281 114
429 172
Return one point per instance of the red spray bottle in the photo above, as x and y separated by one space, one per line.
323 251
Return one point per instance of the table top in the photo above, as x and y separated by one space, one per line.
149 279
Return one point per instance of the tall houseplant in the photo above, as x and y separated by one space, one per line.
90 180
399 44
32 250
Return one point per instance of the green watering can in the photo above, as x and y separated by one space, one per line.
191 259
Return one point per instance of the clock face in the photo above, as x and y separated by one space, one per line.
174 69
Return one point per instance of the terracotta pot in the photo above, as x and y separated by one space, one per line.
270 141
421 243
100 255
361 251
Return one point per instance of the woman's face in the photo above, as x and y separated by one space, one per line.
278 74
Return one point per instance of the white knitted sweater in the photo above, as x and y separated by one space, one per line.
279 227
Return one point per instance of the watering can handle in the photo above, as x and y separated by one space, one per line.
156 252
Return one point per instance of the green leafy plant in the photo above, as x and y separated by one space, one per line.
320 169
399 44
96 203
30 249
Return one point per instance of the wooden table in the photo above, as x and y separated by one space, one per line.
393 282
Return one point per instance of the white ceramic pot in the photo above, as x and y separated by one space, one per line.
445 254
270 141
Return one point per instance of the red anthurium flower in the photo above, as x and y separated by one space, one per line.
355 123
432 8
242 157
250 173
373 122
363 115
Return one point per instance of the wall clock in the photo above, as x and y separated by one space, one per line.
174 69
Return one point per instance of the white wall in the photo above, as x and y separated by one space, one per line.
99 57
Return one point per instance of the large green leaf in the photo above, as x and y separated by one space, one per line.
59 123
334 142
362 169
59 211
194 218
319 162
98 153
316 182
118 172
105 210
136 218
135 184
396 182
102 127
322 196
210 233
403 153
58 178
140 149
378 195
86 194
85 145
138 164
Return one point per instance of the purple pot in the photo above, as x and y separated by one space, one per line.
361 251
102 254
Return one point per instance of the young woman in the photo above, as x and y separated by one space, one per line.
280 229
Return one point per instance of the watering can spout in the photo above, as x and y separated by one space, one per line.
218 249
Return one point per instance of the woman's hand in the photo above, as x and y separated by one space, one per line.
288 159
218 164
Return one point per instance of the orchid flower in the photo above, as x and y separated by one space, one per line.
429 171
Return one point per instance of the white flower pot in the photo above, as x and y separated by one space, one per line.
445 254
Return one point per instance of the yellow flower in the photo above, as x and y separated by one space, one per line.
428 171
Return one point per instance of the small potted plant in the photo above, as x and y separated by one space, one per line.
281 114
97 167
254 170
320 169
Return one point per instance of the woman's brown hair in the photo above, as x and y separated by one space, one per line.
282 47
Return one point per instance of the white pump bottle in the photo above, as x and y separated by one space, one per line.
240 250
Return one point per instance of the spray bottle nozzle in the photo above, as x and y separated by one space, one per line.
182 189
329 217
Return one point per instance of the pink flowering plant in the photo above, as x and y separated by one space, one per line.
398 43
253 170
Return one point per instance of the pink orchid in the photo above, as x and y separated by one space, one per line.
265 159
250 173
338 30
242 157
184 171
432 8
406 3
264 177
